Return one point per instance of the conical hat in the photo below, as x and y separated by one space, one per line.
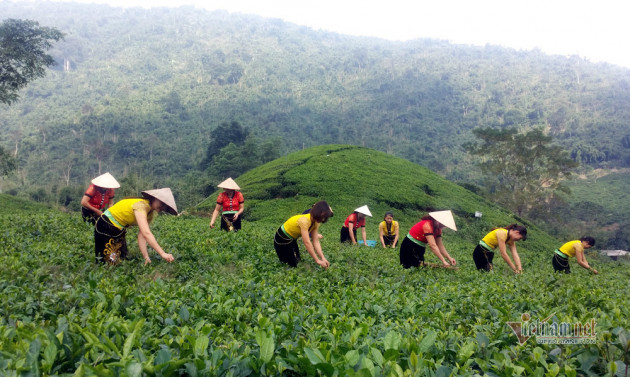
106 181
445 218
364 210
229 184
165 196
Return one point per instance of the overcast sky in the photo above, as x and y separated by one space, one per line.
597 30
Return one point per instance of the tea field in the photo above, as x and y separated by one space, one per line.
227 307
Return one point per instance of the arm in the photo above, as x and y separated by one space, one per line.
364 235
314 248
504 255
145 236
436 249
85 202
445 253
516 258
350 230
581 260
396 238
380 236
214 215
240 211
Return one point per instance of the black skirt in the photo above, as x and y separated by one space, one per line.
226 222
286 248
483 258
110 242
560 264
411 254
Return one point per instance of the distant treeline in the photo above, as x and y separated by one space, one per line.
142 93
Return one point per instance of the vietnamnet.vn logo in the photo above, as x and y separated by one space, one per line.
548 332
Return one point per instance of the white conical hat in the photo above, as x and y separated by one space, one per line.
445 218
165 195
229 184
364 210
106 181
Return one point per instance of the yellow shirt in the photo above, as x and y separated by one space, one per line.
383 227
293 227
123 212
492 239
570 247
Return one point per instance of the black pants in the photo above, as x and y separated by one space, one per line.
411 254
286 248
345 234
236 225
560 264
389 240
110 243
483 258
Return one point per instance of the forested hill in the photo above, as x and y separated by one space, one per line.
140 90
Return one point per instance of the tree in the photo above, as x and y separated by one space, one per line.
223 135
525 170
23 58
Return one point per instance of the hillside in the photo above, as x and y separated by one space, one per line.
349 177
146 88
227 307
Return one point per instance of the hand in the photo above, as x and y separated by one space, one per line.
594 271
211 225
319 236
235 217
453 261
168 257
147 261
354 243
324 263
518 271
445 264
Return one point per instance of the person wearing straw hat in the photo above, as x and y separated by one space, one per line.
353 221
98 197
427 232
575 248
110 243
500 237
388 231
230 201
307 227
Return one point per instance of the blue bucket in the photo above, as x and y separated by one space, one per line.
370 243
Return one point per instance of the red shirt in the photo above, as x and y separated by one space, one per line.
353 219
99 197
230 204
418 231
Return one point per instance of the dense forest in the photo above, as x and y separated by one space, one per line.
148 93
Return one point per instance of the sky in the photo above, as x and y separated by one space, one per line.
596 30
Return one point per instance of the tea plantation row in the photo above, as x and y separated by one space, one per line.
226 306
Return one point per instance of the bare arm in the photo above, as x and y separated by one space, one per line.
240 211
581 260
145 236
364 235
380 236
436 249
215 213
396 238
504 255
85 202
314 248
516 258
445 253
350 230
